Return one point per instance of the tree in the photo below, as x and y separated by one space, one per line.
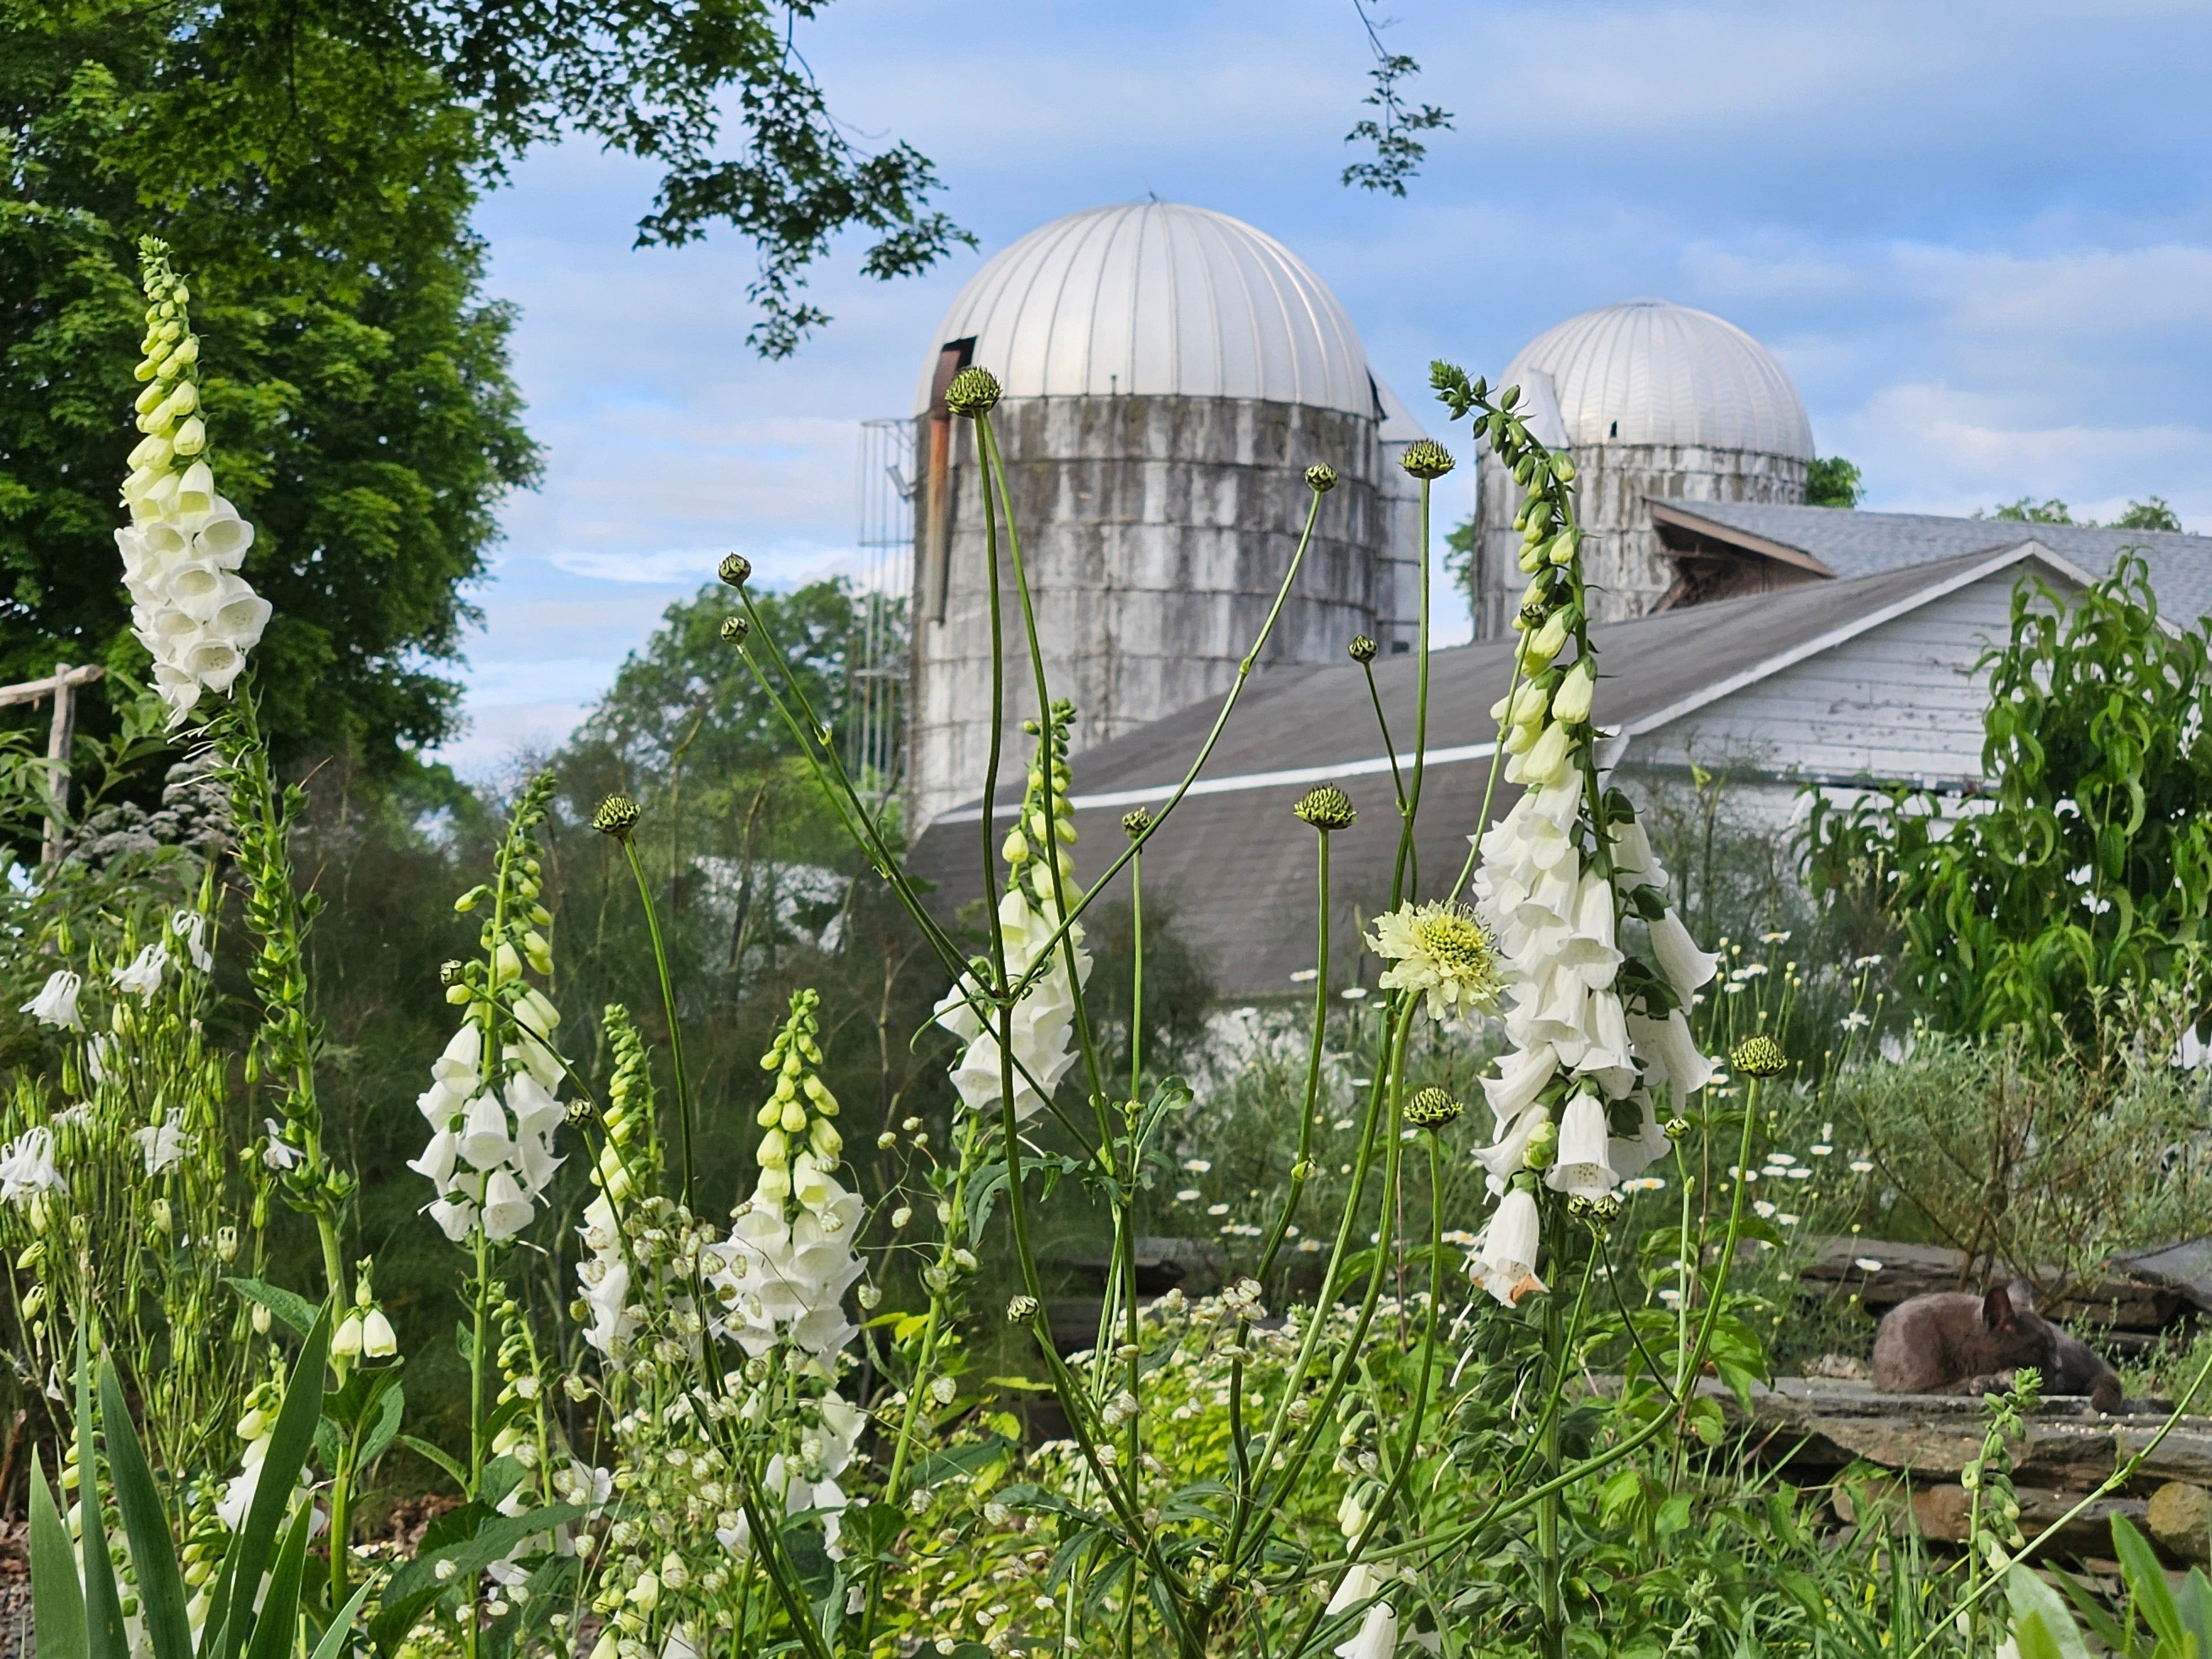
1832 481
2087 869
314 167
2152 514
2028 510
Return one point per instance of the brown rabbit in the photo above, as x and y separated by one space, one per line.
1953 1342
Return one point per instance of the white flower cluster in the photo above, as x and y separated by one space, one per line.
783 1273
807 1478
56 1002
491 1155
1576 1044
1043 1020
189 606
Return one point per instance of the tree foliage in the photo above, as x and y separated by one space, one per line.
356 382
2152 513
2087 870
1832 481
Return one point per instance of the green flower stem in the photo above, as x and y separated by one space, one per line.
1301 1171
1385 1106
1552 1642
1405 875
683 1112
1389 743
1403 1469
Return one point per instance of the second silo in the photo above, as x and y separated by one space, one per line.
1168 374
1656 401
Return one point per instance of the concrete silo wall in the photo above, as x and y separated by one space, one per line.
1155 532
1628 568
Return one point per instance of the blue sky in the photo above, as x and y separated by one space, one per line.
1979 236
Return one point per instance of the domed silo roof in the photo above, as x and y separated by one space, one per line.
1650 371
1156 299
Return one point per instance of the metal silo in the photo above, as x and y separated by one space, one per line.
1169 373
1655 400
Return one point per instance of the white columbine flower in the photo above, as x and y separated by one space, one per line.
56 1002
144 973
190 926
27 1167
1439 950
161 1144
276 1152
184 546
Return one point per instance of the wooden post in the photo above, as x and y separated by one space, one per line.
61 686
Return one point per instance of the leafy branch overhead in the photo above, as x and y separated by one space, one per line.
1398 153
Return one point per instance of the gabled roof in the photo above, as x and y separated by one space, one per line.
1238 870
1844 542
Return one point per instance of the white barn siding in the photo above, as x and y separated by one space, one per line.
1900 701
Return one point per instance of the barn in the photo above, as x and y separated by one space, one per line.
1844 682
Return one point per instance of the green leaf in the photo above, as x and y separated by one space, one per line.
334 1639
248 1558
103 1608
57 1597
415 1585
295 1310
2039 1618
392 1404
2146 1585
437 1454
280 1606
153 1551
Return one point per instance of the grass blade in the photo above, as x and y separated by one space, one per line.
105 1637
280 1608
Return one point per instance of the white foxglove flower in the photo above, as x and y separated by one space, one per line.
27 1167
143 975
190 926
377 1340
506 1209
1583 1169
185 542
1511 1151
1671 1055
1439 952
1363 1582
1505 1261
456 1217
1378 1637
161 1144
346 1341
56 1002
1043 1020
1686 966
603 1281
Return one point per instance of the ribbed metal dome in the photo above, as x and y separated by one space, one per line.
1160 299
1648 372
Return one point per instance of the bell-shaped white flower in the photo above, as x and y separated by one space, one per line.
1686 966
191 927
1511 1151
1505 1261
377 1340
1630 1155
1042 1022
1521 1078
507 1208
484 1140
435 1165
56 1002
1672 1057
456 1217
143 975
1583 1169
1377 1636
27 1168
161 1144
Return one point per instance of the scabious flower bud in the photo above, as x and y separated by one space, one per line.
1320 479
1760 1056
1362 648
1134 825
1021 1309
1327 808
735 568
617 816
974 392
1425 458
1431 1109
734 628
